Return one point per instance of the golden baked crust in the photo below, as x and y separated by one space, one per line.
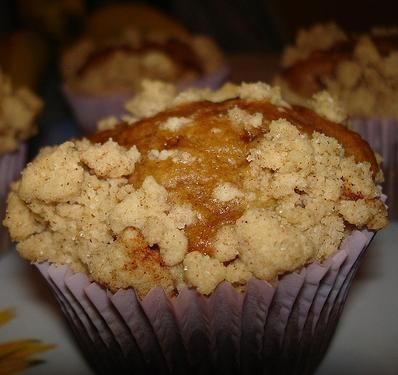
218 186
146 134
361 71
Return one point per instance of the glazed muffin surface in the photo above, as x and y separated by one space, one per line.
199 188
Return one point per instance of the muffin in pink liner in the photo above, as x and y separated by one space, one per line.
362 72
100 75
218 231
18 110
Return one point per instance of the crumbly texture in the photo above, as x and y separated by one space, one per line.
262 196
362 73
328 106
99 67
317 37
18 110
156 96
108 123
368 83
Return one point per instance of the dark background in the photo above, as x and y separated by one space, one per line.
242 28
244 25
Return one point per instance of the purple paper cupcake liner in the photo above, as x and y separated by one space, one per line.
382 135
89 109
11 165
331 311
275 330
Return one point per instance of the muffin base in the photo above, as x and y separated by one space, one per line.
382 135
11 165
277 330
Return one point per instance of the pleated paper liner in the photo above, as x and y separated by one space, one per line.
89 109
382 135
11 165
275 330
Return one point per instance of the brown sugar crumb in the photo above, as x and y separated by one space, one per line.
362 71
18 110
214 207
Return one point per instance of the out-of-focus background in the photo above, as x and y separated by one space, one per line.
237 25
251 33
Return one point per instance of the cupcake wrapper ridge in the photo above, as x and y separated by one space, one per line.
11 165
283 329
382 135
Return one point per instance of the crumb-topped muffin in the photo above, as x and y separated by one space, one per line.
18 110
201 187
361 70
119 64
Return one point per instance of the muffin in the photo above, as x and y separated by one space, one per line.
362 72
58 20
18 47
218 231
114 18
100 75
18 110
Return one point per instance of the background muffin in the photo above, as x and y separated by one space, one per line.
18 47
106 66
213 191
362 72
18 111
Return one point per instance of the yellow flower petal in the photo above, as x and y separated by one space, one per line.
15 355
6 316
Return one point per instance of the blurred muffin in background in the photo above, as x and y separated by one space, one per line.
118 65
124 44
359 70
19 108
19 47
57 20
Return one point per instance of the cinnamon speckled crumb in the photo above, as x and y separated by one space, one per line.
290 201
18 109
365 79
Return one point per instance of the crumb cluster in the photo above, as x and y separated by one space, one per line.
317 37
363 75
259 197
368 83
18 110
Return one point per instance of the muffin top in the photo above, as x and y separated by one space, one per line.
18 109
361 70
119 64
200 187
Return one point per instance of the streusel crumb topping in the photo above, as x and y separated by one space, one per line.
361 71
170 202
317 37
18 110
